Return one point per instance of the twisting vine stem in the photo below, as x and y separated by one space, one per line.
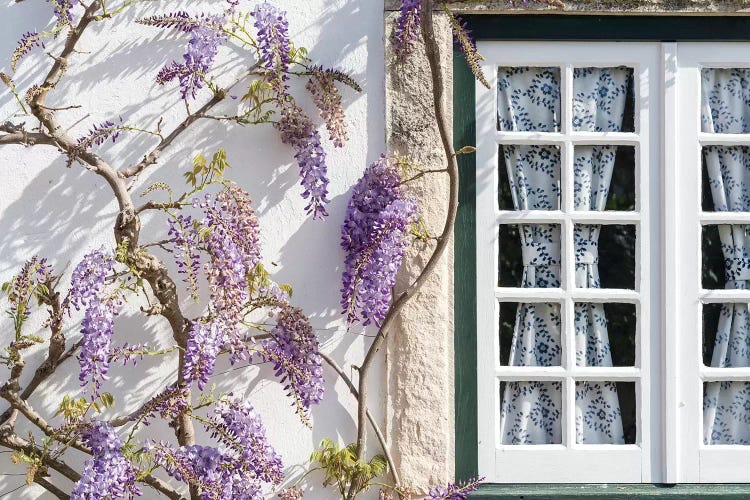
443 240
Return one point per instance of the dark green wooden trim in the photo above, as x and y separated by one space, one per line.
465 274
545 27
612 28
613 492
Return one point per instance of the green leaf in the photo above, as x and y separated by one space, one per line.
466 150
107 400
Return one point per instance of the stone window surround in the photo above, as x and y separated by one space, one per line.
419 396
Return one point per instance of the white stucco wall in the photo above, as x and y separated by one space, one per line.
60 213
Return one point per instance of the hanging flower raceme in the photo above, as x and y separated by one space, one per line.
462 38
206 36
63 11
236 424
28 41
374 237
107 474
168 404
232 243
273 44
326 97
34 272
407 27
215 472
184 233
295 353
88 291
297 130
203 347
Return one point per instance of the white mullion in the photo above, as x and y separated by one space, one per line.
604 138
528 138
714 218
725 296
541 295
709 374
558 217
671 317
568 259
708 139
580 138
488 402
589 373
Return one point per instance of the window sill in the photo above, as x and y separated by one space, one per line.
611 491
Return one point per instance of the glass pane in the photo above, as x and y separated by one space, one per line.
726 93
726 256
605 256
726 413
726 178
605 413
530 334
726 335
604 178
603 100
605 334
530 413
529 177
529 256
528 99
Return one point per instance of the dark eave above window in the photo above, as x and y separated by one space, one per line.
609 28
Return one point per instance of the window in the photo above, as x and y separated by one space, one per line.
613 262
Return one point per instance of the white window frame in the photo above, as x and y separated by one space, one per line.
669 371
706 463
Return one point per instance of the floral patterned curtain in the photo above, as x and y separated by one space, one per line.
726 109
529 100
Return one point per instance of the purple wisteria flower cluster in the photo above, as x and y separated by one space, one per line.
298 130
88 291
294 125
231 242
63 11
407 28
274 46
34 272
237 425
183 231
107 474
98 135
235 470
168 404
294 351
455 491
28 41
327 98
374 237
206 36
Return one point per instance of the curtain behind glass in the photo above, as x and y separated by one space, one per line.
531 411
726 109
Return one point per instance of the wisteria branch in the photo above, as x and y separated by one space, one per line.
375 427
17 134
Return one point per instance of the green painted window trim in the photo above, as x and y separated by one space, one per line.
546 27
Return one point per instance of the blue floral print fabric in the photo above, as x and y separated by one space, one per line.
726 109
529 100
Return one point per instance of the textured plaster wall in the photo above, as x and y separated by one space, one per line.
420 355
59 212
